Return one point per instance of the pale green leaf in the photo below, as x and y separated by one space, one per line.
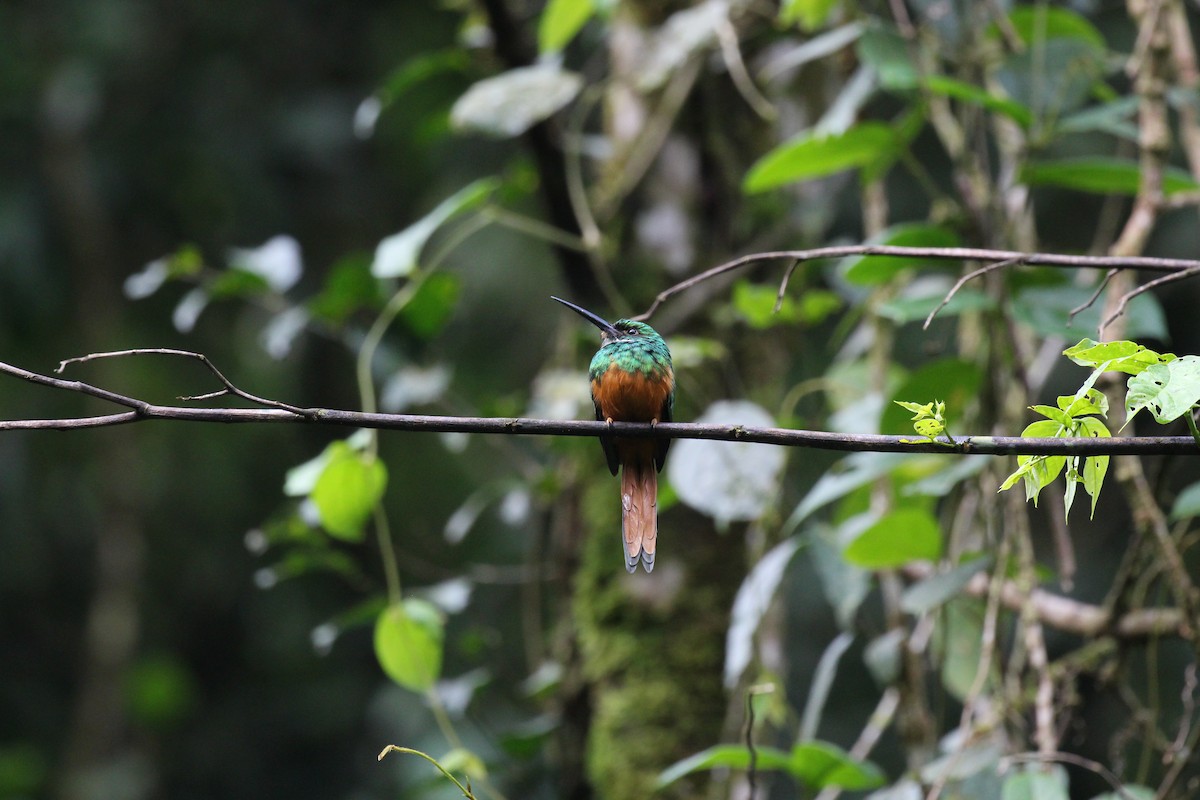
560 21
904 535
1168 390
508 104
399 254
408 644
1036 784
1121 356
969 93
814 155
1187 504
938 589
347 491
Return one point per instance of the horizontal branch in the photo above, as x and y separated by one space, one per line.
1072 616
1008 257
788 437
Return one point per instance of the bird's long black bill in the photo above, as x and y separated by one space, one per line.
598 321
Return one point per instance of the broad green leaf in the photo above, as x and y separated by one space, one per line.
847 475
1035 784
953 380
735 756
874 270
1131 792
886 51
904 535
969 93
820 764
938 589
561 20
958 641
508 104
1092 401
812 155
349 288
1056 414
462 760
347 491
300 479
432 304
1047 310
1187 504
399 254
1115 118
1094 470
1168 390
1041 21
1122 356
1101 175
810 14
408 644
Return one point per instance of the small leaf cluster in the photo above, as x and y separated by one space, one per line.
929 419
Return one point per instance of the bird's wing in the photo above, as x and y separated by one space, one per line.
661 445
606 442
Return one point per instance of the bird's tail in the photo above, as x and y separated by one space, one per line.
639 512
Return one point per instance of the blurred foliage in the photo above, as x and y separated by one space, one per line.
367 206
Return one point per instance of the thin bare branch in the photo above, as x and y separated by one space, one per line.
1145 287
1145 263
230 388
975 273
1091 301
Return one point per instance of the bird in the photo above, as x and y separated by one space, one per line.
632 380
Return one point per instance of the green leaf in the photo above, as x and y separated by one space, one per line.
1092 401
958 640
1038 22
735 756
822 682
810 14
940 588
1187 504
954 380
347 491
969 93
1122 356
460 759
349 288
1047 309
1056 414
875 270
508 104
408 644
1101 175
820 764
905 309
904 535
399 254
815 155
844 477
561 20
886 51
432 304
1034 784
1168 390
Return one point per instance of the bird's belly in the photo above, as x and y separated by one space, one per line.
626 396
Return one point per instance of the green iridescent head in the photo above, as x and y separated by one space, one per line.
633 346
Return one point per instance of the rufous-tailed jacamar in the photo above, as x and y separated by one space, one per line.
632 381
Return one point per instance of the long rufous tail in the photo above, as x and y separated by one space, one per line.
639 512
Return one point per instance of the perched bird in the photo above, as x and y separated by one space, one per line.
632 381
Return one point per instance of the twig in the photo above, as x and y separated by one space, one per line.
975 273
1145 287
1078 761
752 767
1146 263
229 389
1091 301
